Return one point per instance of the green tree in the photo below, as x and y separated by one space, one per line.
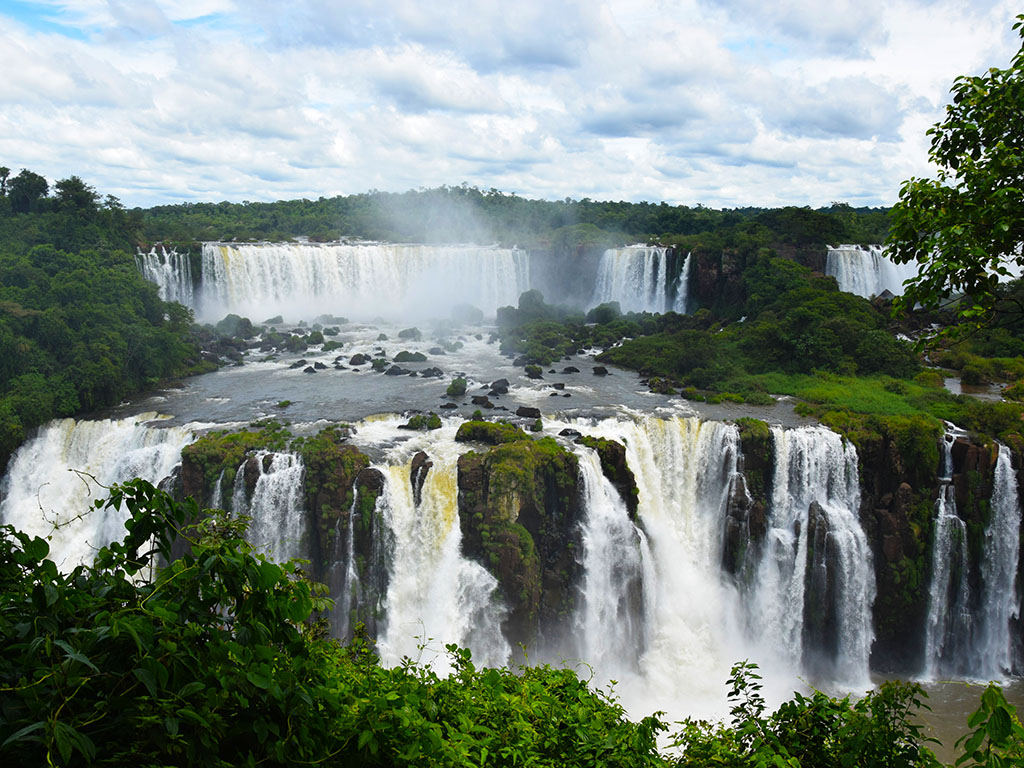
75 195
26 191
965 227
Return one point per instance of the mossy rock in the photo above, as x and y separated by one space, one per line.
490 432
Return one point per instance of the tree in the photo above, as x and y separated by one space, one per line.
75 195
26 191
965 227
5 172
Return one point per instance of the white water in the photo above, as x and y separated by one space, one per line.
635 276
814 465
279 526
949 624
435 595
171 271
610 630
364 280
1000 600
681 303
866 270
54 477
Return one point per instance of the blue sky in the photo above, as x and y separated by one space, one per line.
717 102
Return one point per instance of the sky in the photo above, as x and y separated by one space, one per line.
722 103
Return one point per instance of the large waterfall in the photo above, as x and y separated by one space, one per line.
866 270
171 271
54 477
657 608
363 280
637 277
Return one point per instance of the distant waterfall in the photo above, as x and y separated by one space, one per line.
866 270
171 271
54 477
279 526
681 303
815 585
636 277
1000 600
365 280
949 625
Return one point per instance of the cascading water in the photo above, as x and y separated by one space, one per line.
279 526
866 270
684 471
53 478
681 303
435 595
610 623
171 271
815 581
1000 600
635 276
304 280
949 625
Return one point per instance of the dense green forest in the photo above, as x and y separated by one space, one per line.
80 329
465 213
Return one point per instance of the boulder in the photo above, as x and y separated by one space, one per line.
528 412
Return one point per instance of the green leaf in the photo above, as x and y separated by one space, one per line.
37 548
998 726
21 735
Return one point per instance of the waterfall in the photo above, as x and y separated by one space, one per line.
683 288
866 270
815 585
609 625
999 597
435 595
304 280
53 478
684 470
636 277
279 526
171 271
949 624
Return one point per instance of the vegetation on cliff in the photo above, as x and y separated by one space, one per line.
80 329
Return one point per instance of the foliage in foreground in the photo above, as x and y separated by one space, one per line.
215 661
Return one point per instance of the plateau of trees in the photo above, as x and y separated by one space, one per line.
80 329
219 659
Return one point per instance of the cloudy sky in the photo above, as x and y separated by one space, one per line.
718 102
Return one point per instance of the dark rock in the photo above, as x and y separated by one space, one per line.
600 370
500 386
558 385
396 370
480 400
358 359
520 361
448 406
569 432
436 351
566 395
432 373
570 369
528 412
319 366
421 464
309 369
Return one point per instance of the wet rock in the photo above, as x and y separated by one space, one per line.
448 406
309 369
298 364
421 465
436 351
558 385
358 359
570 369
319 366
432 373
500 386
569 432
396 370
600 370
528 412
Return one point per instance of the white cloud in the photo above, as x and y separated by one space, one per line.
694 101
